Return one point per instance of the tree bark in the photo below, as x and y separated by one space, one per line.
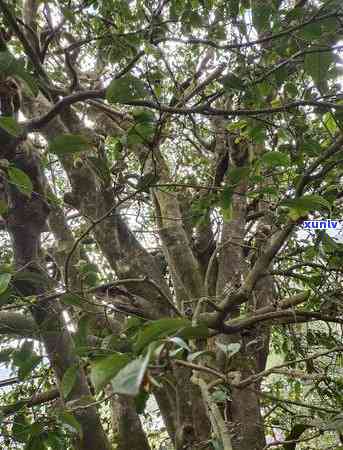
25 222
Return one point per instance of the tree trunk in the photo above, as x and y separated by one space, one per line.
127 425
26 221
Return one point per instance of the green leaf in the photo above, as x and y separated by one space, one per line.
330 122
90 278
68 381
159 329
233 8
232 81
100 168
299 207
103 370
140 133
80 337
21 428
36 443
311 31
54 441
71 423
28 79
219 396
7 63
229 349
5 279
73 300
240 125
3 207
261 16
26 359
141 400
275 159
11 126
67 144
237 174
143 116
317 65
20 180
10 66
129 379
126 89
225 202
192 332
34 278
180 343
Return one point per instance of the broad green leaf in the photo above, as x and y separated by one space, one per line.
26 359
256 132
141 400
219 396
311 147
20 180
317 65
191 332
73 300
302 205
21 428
229 349
225 202
100 168
11 126
36 443
179 343
67 144
311 31
232 81
103 370
275 159
237 174
143 116
309 202
54 441
68 381
90 279
34 278
159 329
28 79
129 379
330 123
85 266
5 279
7 63
261 15
233 8
80 337
233 126
70 422
126 89
10 66
6 355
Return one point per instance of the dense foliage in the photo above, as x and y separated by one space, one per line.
158 286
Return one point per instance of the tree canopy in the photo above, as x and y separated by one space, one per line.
170 197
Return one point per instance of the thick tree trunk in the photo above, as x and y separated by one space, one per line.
127 425
246 424
126 422
25 222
